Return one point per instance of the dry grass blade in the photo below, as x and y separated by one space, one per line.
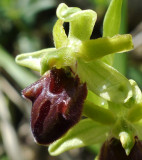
8 133
14 96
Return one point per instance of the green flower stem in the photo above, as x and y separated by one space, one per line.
94 49
135 113
98 114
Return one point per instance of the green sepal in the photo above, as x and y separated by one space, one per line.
79 29
98 114
32 60
85 133
94 49
59 35
66 13
104 81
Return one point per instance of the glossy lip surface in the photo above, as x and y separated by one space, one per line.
57 104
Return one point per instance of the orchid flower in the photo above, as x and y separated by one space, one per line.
78 80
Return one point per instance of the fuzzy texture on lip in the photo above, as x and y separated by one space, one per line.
57 104
113 150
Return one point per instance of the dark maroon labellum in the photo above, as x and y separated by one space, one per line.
113 150
57 104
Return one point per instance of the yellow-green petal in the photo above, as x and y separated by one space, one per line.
59 35
94 49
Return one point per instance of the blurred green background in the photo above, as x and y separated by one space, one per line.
26 26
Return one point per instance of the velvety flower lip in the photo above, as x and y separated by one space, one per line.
57 104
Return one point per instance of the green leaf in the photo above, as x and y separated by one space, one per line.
104 81
79 29
86 132
94 49
112 19
111 24
59 35
32 60
98 114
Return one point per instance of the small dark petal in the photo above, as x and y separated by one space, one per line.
57 105
113 150
136 152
